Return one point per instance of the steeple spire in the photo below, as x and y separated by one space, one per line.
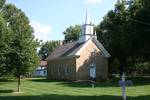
87 18
87 29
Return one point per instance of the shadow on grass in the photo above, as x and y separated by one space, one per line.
140 80
6 91
83 84
67 97
60 97
112 83
44 80
6 80
88 84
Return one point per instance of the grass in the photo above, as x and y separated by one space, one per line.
42 89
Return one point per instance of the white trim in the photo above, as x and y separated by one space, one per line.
85 45
66 57
100 46
97 43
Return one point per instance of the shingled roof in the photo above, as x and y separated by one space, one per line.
100 46
65 50
70 49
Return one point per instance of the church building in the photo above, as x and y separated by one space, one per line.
83 59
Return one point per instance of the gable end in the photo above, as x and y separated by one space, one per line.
100 46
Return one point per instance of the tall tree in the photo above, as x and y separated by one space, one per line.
139 33
142 25
111 31
2 2
124 31
4 41
22 56
72 33
4 45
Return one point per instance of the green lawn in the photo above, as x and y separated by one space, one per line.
42 89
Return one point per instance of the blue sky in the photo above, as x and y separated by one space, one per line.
50 18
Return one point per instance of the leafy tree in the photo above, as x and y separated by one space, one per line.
2 2
22 56
139 34
113 34
142 26
72 33
124 31
4 45
47 48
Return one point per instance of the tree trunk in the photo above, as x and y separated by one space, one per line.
18 86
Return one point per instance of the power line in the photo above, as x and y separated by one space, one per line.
138 21
146 9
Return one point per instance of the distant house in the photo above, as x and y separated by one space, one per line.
42 69
80 60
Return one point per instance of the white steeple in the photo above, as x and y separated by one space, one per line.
87 29
95 34
87 19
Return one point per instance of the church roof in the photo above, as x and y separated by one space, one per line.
70 49
66 50
100 46
74 49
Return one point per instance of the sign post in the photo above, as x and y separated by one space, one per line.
123 83
123 87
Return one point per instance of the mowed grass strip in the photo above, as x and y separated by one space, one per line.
43 89
61 89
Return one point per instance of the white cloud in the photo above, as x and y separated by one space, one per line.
41 31
89 2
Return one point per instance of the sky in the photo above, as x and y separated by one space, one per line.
50 18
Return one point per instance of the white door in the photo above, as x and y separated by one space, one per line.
93 71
